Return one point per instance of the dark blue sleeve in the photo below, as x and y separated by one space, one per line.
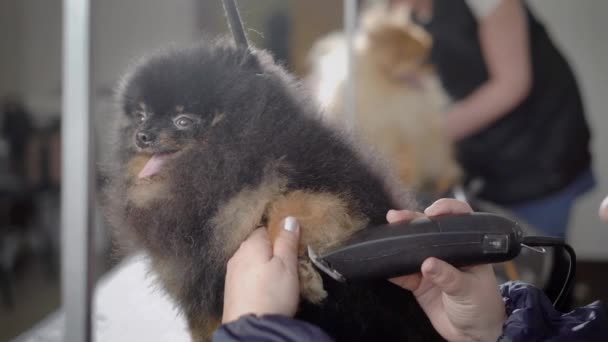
531 317
268 328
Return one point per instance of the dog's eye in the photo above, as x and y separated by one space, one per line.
183 122
140 117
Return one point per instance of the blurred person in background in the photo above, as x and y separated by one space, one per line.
518 119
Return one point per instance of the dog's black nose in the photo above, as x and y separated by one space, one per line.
144 139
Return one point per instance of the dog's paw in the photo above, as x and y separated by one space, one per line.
311 283
325 219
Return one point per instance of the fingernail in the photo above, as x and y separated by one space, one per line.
290 224
431 268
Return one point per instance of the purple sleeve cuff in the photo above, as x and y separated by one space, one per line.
268 328
531 317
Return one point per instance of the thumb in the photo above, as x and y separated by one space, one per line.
446 277
286 243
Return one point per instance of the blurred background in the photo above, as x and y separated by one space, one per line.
123 30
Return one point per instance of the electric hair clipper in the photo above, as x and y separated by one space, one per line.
400 248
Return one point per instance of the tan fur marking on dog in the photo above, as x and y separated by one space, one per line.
143 191
179 109
146 191
218 117
136 164
244 212
325 219
311 283
201 330
172 279
165 140
167 272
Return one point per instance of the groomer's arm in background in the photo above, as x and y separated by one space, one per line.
504 40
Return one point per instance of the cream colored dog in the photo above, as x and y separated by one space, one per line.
399 99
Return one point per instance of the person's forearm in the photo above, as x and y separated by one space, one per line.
504 41
488 103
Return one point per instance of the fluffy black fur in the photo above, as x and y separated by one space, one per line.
267 128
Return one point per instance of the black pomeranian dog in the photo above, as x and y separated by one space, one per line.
217 140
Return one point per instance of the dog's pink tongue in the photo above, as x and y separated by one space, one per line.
153 166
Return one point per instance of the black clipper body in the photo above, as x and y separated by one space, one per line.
400 248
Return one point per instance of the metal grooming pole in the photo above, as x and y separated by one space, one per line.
77 185
235 23
350 25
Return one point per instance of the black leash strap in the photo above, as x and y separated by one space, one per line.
235 23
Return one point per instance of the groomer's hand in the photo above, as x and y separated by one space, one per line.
463 305
262 278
